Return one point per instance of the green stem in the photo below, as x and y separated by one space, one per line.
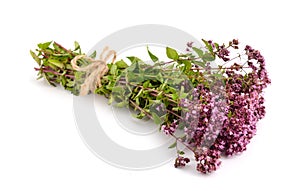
54 72
173 113
187 146
68 51
139 108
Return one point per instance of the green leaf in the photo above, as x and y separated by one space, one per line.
121 64
56 63
198 51
117 89
180 152
229 114
113 69
35 57
182 137
69 66
57 48
137 101
174 97
208 57
45 45
198 63
77 46
152 56
121 104
217 75
134 77
134 60
159 77
208 46
216 45
63 81
157 120
187 65
139 94
146 84
70 84
182 93
171 53
173 145
93 55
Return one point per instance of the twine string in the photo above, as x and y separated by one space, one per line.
94 71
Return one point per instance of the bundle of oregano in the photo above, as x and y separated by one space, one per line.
212 109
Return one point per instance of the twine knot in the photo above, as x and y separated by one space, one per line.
94 71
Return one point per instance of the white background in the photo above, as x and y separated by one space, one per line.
40 148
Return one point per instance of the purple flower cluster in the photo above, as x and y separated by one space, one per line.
169 129
208 160
223 53
181 161
203 116
245 100
222 119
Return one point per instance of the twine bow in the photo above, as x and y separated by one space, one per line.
94 71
